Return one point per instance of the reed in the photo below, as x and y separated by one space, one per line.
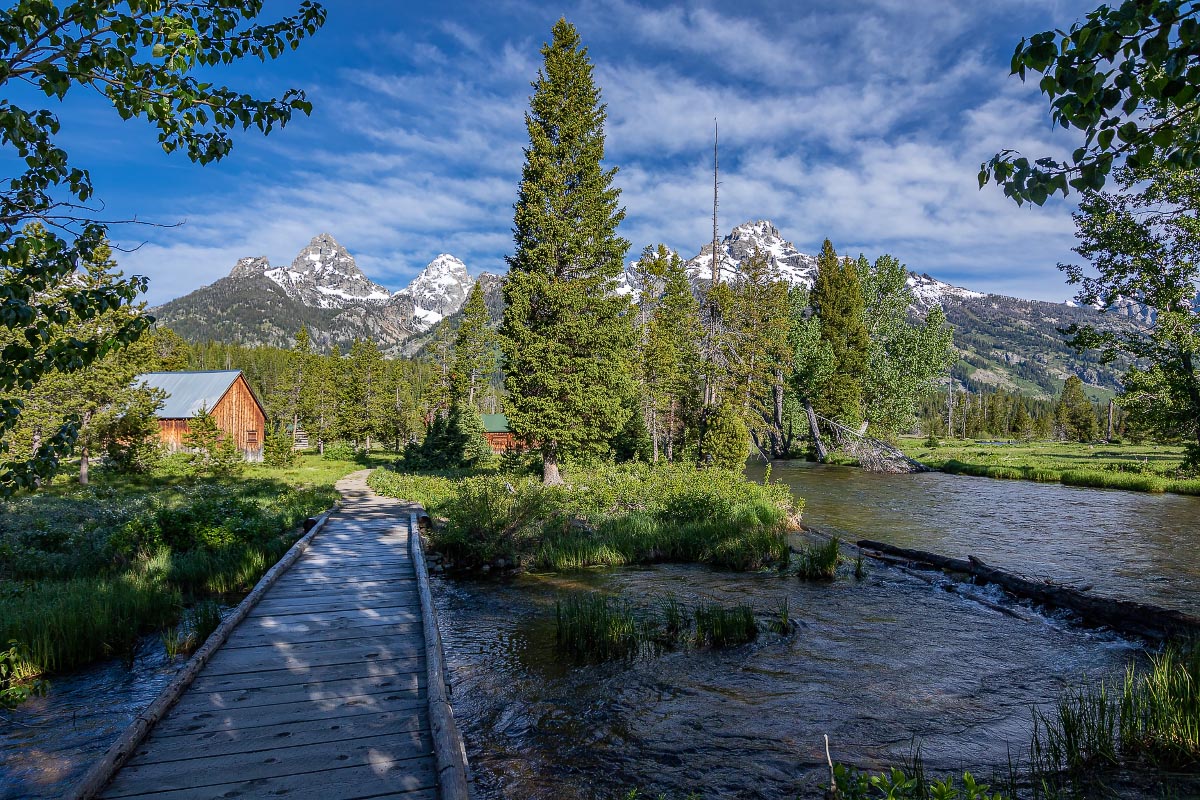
64 624
819 562
1160 710
597 627
204 618
1151 719
782 621
177 641
719 626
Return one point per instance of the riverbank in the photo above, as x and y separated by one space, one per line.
87 571
1138 468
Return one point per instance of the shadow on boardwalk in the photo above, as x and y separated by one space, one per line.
320 691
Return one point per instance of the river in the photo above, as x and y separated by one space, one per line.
876 663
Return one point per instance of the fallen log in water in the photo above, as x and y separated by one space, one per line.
1141 619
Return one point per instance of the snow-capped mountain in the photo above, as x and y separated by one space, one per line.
795 267
439 291
323 290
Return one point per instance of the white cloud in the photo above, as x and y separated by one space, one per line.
866 124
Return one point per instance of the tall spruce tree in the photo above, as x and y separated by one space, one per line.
474 352
566 336
837 302
1075 414
366 397
285 400
671 353
762 314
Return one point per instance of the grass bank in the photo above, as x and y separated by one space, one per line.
610 515
1137 468
85 571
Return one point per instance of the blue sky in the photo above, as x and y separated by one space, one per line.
862 122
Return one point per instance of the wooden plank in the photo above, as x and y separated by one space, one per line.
164 776
285 607
364 782
356 584
383 777
198 720
351 615
321 633
367 596
299 659
334 672
403 726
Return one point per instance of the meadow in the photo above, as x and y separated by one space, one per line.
85 571
1134 467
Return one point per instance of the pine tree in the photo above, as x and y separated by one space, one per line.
366 399
1075 415
761 313
726 440
566 335
474 352
837 302
320 408
1022 422
286 399
671 352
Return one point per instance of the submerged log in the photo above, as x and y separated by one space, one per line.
1141 619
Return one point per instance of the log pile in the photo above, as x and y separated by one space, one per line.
1127 616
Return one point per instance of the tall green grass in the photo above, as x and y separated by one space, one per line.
64 624
93 568
599 627
820 562
1152 719
596 627
718 626
610 516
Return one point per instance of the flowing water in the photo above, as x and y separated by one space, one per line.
876 664
1125 544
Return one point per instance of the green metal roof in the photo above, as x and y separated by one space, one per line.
495 423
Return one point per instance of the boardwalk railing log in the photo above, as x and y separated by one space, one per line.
322 688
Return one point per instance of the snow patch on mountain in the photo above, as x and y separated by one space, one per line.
793 266
439 291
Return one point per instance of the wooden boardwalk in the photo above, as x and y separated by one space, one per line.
320 692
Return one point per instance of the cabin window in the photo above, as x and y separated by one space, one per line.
251 437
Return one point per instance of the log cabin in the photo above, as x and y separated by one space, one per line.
495 428
224 394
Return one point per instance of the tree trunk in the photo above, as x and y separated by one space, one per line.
83 465
671 433
654 431
815 432
368 444
550 473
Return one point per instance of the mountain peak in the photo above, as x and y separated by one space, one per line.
439 290
758 229
325 255
249 267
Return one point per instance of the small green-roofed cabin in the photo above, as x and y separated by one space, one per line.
499 437
224 394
